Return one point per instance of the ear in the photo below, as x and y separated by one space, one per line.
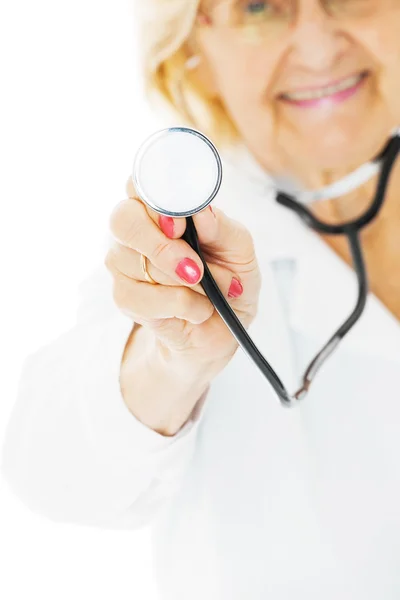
202 74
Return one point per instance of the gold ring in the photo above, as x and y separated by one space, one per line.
143 266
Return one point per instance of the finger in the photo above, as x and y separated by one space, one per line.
131 226
128 262
225 239
172 228
146 302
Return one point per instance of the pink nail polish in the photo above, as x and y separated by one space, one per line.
236 289
203 19
188 270
167 225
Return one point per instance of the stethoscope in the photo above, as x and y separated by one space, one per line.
178 171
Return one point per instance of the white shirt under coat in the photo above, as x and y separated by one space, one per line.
249 500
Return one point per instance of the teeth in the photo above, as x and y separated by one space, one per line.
346 84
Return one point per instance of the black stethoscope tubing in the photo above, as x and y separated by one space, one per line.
351 230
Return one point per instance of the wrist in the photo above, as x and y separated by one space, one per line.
160 388
184 367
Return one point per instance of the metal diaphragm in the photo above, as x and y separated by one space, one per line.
177 171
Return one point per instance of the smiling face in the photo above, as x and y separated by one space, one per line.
314 97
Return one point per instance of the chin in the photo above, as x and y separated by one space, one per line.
342 149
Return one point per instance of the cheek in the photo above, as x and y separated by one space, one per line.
382 42
243 79
390 83
244 90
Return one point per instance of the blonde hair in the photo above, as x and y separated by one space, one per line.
164 28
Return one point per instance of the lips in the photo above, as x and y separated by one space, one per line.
338 87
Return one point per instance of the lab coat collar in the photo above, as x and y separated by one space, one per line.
324 288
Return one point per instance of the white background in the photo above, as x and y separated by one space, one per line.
71 119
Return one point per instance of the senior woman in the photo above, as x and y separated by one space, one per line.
167 423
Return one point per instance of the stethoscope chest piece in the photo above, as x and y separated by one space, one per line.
177 171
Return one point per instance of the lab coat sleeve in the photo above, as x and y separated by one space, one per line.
73 451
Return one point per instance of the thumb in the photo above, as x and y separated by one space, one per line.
223 238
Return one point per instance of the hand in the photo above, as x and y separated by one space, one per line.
177 310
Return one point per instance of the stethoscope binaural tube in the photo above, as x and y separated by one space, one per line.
177 209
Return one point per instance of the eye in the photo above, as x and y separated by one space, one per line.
254 13
255 8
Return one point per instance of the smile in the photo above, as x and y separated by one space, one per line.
338 91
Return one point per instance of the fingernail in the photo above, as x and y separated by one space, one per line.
210 207
167 225
188 270
203 19
236 289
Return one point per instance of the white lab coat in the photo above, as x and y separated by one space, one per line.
249 500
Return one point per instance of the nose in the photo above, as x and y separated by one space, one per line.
317 41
